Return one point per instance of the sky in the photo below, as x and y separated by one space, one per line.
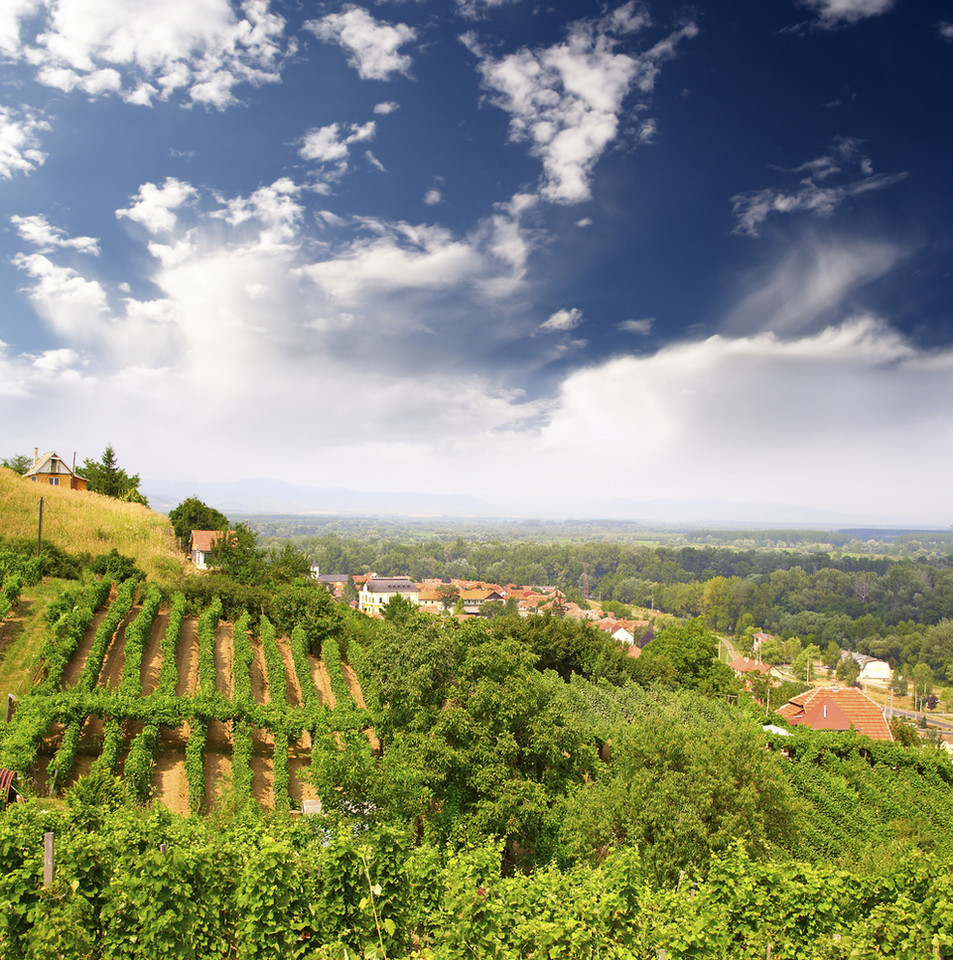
542 254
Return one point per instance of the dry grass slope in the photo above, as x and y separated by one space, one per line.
81 522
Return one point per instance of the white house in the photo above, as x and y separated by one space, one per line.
379 590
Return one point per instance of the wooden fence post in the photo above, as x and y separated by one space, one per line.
163 848
47 859
11 706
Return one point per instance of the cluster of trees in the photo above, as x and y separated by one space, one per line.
897 610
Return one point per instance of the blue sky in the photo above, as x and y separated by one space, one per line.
541 254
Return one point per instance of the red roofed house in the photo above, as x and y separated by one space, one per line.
201 545
837 709
746 665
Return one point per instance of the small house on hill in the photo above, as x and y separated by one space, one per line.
52 469
200 545
837 709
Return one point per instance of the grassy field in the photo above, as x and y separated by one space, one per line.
81 522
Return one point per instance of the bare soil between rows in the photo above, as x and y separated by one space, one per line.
169 783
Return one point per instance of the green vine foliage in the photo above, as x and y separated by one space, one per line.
234 890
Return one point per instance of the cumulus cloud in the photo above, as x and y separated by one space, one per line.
809 421
154 205
945 30
388 106
835 13
19 144
329 147
146 51
566 100
814 194
373 46
39 232
562 320
432 197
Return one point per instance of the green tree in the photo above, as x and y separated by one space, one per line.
236 554
685 655
922 684
449 594
831 655
20 463
105 476
804 665
192 514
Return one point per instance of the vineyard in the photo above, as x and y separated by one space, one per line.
194 712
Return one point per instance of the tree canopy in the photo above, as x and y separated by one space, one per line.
107 477
192 514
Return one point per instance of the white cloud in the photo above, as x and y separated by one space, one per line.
834 13
945 30
566 100
374 162
642 327
374 46
388 106
817 421
154 206
562 320
275 208
813 195
37 231
19 145
144 50
476 8
330 145
810 285
432 197
75 307
259 320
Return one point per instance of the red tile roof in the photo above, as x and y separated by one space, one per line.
746 665
846 708
204 540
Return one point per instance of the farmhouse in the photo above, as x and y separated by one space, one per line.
52 469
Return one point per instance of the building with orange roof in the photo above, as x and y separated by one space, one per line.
833 708
746 665
200 545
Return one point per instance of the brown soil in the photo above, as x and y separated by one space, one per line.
322 682
263 779
218 777
152 655
110 676
91 736
187 658
294 691
259 687
80 768
75 666
353 685
224 659
173 738
297 788
168 781
219 736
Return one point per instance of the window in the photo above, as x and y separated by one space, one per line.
54 481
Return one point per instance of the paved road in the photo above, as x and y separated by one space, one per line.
941 723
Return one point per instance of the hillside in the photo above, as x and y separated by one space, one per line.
82 522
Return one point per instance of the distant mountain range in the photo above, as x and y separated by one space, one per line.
263 495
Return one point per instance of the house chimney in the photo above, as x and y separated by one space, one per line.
825 711
36 455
